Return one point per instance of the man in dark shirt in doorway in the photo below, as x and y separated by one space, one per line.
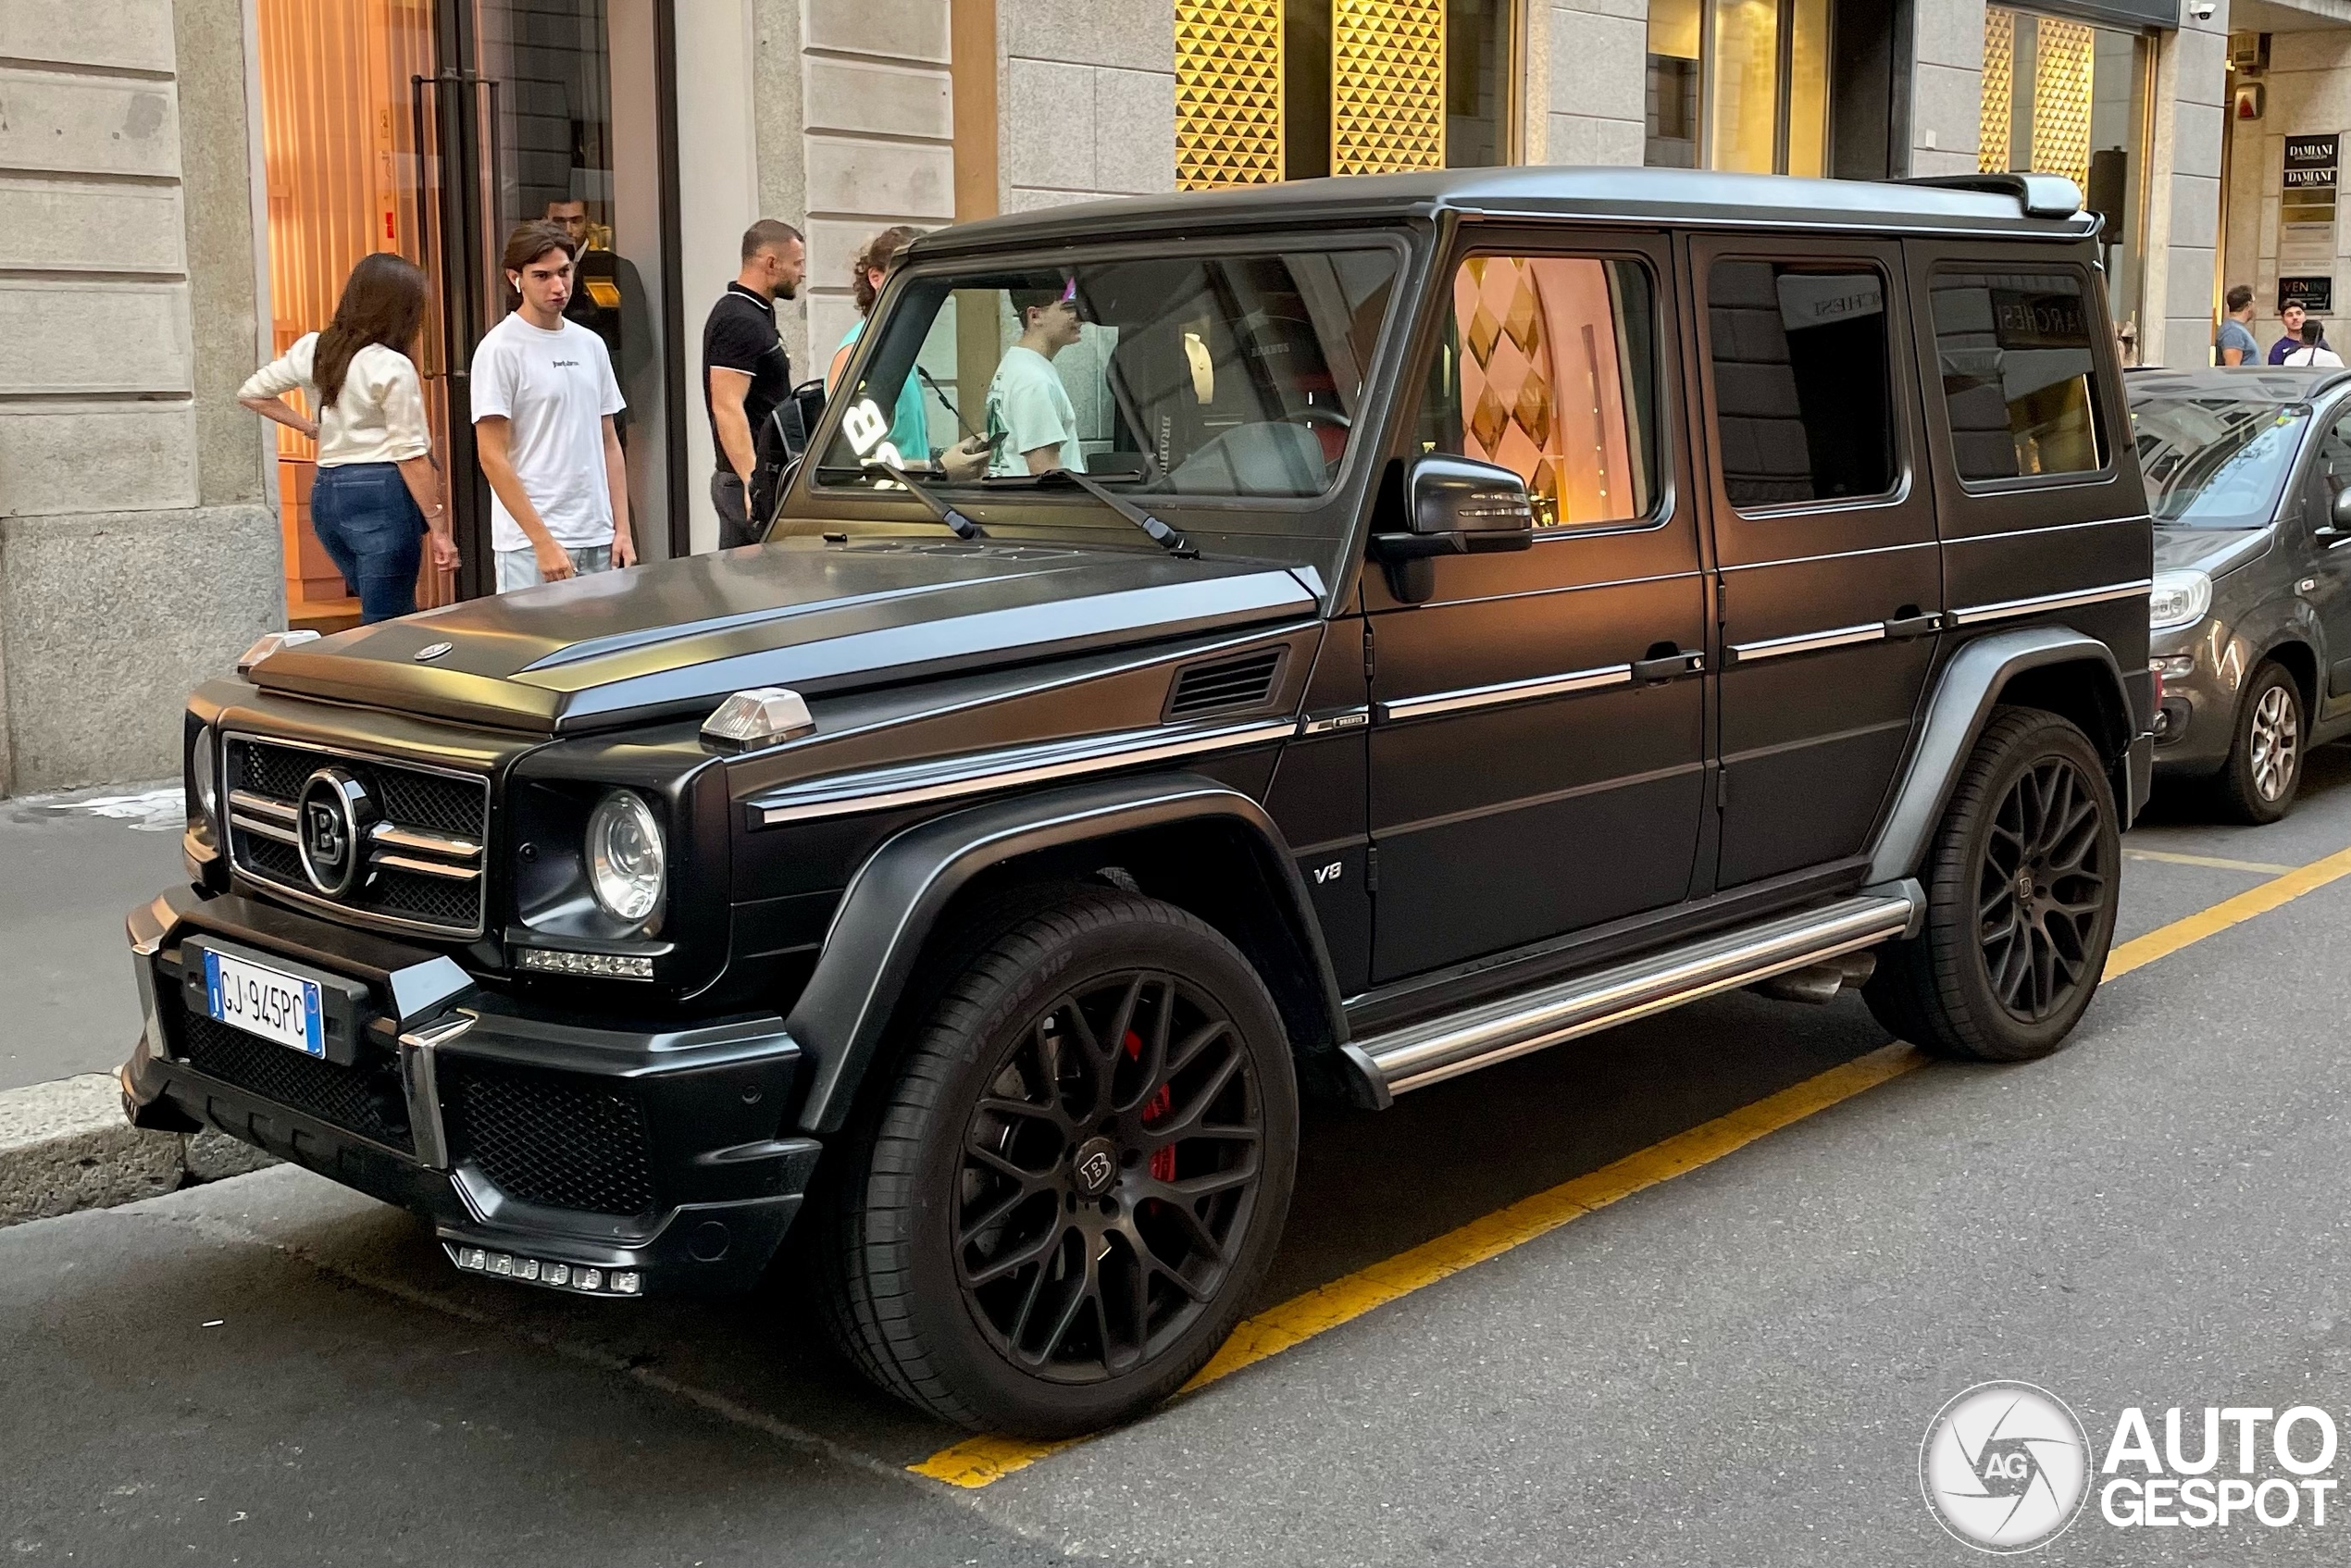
745 371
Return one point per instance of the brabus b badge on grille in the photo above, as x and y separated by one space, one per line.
331 821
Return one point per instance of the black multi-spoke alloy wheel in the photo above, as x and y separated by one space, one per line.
2257 783
1054 1214
2021 899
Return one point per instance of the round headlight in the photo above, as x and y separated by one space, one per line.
626 861
200 770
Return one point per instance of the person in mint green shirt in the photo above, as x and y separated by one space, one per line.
908 425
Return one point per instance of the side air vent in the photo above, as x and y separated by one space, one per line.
1230 683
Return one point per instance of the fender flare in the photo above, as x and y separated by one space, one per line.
893 903
1964 696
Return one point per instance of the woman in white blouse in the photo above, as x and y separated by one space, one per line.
377 496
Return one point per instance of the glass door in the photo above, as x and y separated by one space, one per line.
550 109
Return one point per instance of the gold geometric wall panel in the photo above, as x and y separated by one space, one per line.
2063 59
1387 85
1999 73
1229 92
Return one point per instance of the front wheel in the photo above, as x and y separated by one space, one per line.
1059 1209
2264 769
2020 899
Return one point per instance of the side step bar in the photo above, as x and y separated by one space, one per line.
1420 1054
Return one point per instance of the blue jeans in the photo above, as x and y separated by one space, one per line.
519 568
370 525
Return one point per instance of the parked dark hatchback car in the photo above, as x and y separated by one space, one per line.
1411 622
2248 476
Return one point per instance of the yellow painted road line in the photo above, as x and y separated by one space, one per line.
2173 857
978 1462
2168 939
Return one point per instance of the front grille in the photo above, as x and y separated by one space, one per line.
443 819
365 1099
551 1139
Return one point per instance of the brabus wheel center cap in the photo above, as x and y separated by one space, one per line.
1093 1167
2024 885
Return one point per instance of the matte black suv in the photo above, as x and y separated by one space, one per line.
2248 475
1408 622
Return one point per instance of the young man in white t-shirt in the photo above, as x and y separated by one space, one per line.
543 401
1031 425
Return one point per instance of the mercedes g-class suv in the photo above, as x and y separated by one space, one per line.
1372 628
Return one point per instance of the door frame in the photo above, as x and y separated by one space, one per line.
459 248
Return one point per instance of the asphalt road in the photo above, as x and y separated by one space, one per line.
1735 1367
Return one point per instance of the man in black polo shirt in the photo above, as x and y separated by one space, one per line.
745 370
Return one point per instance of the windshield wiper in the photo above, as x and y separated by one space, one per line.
964 527
1166 538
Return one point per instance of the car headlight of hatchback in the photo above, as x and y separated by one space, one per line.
626 862
2180 599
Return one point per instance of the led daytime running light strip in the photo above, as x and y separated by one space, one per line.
541 1270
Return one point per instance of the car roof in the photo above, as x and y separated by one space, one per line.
2266 383
2021 206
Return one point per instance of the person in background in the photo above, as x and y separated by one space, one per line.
909 426
2290 315
2236 342
376 496
608 298
1032 426
2314 350
543 401
745 370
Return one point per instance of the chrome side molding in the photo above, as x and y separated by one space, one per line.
1420 1054
2006 609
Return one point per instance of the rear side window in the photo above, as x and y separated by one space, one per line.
1801 377
2015 352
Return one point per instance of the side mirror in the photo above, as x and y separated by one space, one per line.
2339 515
1452 506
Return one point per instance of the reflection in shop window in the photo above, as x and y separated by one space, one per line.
2015 351
1546 368
1802 369
1739 84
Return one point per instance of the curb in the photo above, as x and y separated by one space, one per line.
65 1147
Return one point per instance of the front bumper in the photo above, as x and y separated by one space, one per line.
2196 724
655 1152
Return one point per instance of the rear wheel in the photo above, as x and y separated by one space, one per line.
2257 783
1057 1212
2020 899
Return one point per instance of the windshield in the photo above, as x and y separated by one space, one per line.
1232 375
2215 462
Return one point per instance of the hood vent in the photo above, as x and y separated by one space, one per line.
1232 684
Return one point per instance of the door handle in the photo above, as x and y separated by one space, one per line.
1665 667
1903 627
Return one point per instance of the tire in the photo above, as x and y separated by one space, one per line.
1056 1210
2033 800
2264 770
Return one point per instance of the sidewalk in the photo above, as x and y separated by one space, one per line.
71 868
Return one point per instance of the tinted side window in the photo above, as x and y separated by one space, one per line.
1549 368
2014 347
1802 369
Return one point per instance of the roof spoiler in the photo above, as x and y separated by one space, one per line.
2041 195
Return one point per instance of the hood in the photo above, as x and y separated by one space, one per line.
2209 550
675 638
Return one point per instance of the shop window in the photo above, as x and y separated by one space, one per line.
2067 97
1739 84
1802 369
2015 352
1548 368
1269 89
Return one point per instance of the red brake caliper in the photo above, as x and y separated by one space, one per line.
1162 1160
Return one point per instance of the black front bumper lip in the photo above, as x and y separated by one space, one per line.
713 1097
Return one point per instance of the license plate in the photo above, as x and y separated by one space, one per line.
261 1001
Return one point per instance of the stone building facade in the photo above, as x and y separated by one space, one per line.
171 213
